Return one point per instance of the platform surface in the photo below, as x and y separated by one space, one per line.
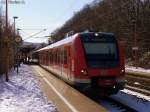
66 98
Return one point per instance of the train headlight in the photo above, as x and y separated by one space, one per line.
121 77
83 72
96 34
122 72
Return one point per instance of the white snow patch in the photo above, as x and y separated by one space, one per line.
22 93
138 95
135 100
137 69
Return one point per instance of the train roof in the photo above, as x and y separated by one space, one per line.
71 38
63 41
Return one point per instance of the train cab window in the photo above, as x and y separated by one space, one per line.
104 50
100 52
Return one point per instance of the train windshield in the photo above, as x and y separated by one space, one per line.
101 53
105 51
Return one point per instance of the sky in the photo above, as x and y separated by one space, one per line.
36 15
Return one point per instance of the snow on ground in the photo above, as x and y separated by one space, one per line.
129 98
22 93
136 94
134 100
138 69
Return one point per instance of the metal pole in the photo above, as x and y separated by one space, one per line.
14 25
6 14
135 36
6 48
135 44
15 17
15 58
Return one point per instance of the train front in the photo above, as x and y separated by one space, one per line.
103 63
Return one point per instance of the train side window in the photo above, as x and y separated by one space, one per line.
61 57
51 57
55 57
58 57
65 56
45 58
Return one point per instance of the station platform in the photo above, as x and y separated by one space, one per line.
64 97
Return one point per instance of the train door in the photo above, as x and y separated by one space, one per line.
55 58
58 61
69 63
49 59
65 63
61 61
52 58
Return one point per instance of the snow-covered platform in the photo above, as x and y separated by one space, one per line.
35 90
22 93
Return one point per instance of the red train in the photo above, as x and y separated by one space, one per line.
87 60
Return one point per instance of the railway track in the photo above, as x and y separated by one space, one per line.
139 90
138 82
120 106
110 103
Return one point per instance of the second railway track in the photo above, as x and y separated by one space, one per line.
138 82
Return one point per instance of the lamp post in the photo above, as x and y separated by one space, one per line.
16 48
18 40
15 17
6 53
6 15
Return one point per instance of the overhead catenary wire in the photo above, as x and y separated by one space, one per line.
57 19
32 36
23 31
